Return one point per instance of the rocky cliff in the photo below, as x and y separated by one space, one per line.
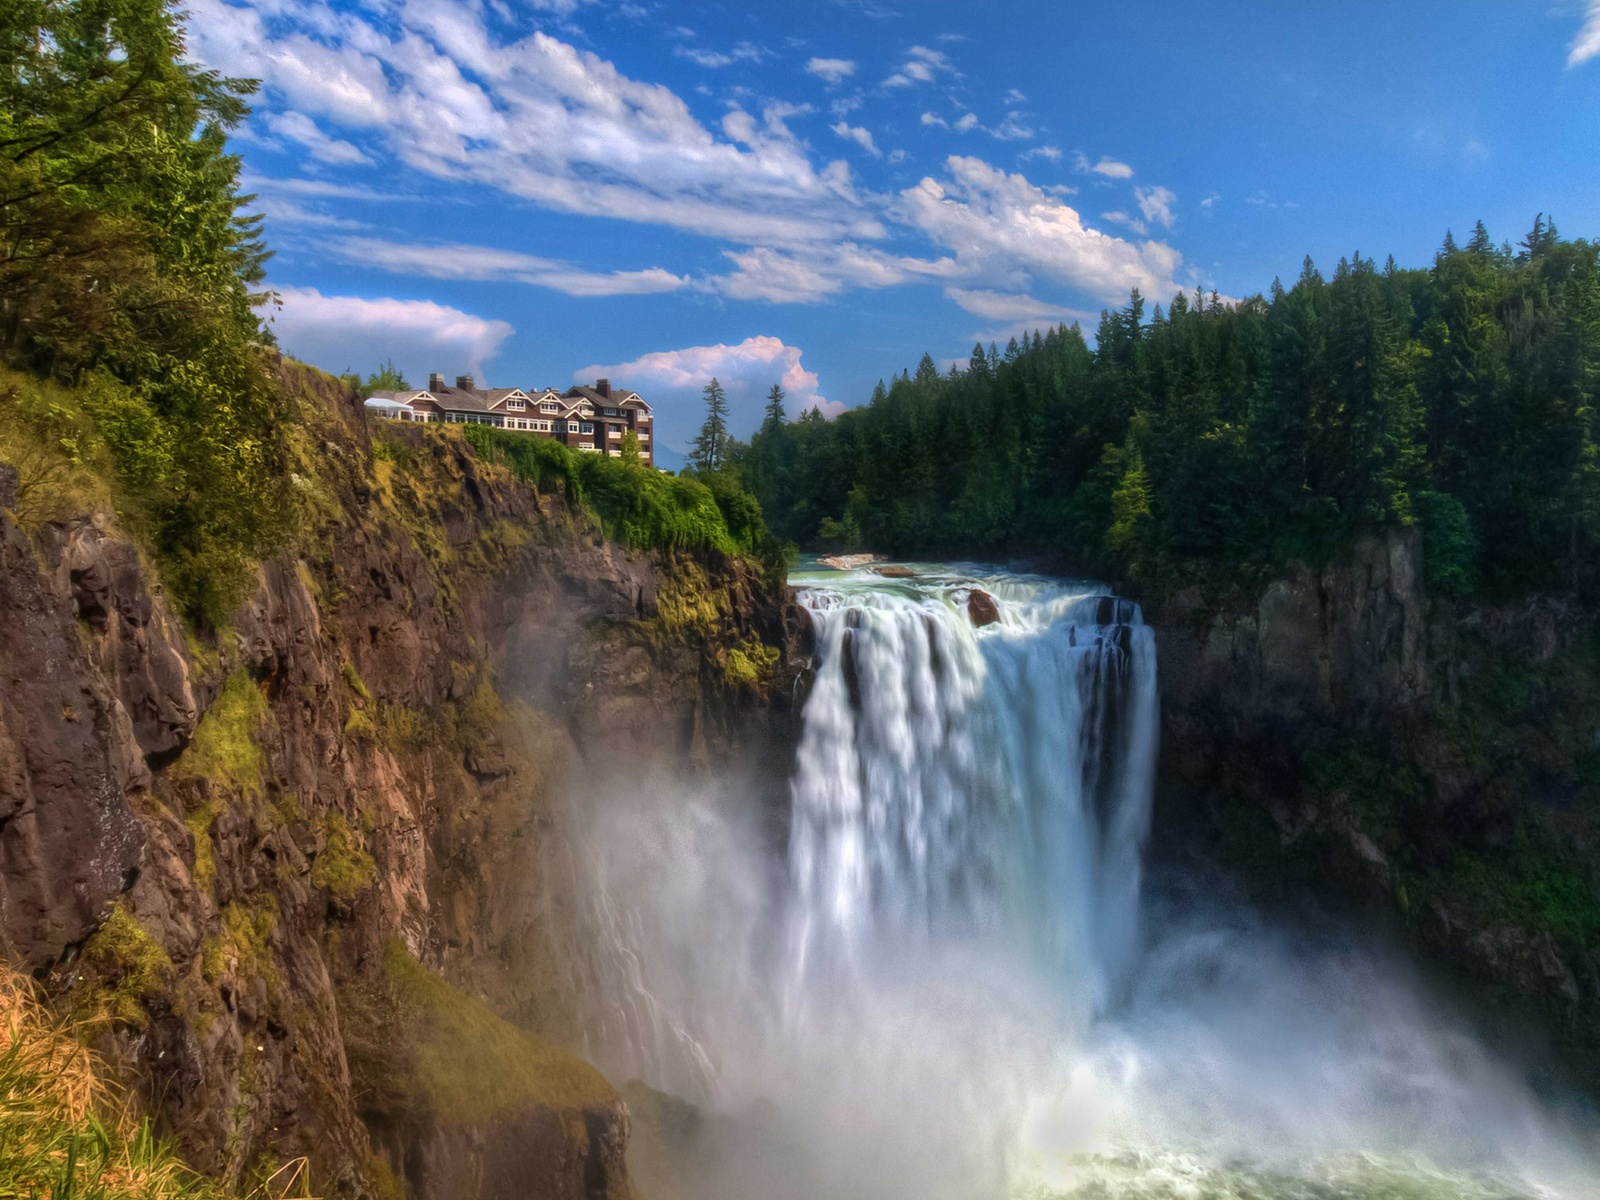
1438 761
309 874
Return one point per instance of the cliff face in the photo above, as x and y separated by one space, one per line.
302 872
1434 760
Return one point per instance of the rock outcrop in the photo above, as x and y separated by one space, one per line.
1352 735
217 846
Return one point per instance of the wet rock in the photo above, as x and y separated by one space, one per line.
982 609
895 572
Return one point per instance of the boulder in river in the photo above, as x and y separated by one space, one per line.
981 608
895 572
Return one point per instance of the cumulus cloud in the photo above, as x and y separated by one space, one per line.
996 223
536 118
1156 205
1118 217
922 65
1107 168
1587 44
1051 153
340 332
672 381
861 137
968 121
461 261
831 70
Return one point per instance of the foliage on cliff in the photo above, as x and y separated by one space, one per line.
125 271
63 1135
1216 440
636 505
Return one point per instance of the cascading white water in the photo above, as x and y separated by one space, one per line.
954 781
943 987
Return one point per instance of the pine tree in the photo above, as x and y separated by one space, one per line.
775 416
710 448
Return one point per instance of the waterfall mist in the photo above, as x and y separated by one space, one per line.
945 980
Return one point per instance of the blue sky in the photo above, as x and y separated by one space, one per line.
819 191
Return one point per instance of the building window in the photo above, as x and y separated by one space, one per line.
585 445
586 427
515 405
614 431
546 406
644 439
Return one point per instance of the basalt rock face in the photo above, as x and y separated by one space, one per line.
215 843
1352 735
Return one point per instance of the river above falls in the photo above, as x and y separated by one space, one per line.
958 981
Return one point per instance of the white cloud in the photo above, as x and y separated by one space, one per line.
789 278
831 70
280 211
1014 96
1587 44
1004 306
298 127
536 118
922 65
339 332
935 120
966 123
672 380
1052 153
743 52
1118 217
1012 129
997 224
1108 168
1156 205
861 137
459 261
1211 200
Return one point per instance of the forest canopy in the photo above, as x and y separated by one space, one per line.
1214 441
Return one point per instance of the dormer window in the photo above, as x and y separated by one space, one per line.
547 406
515 405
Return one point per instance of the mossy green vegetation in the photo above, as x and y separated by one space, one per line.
225 749
243 947
343 867
466 1063
749 664
133 963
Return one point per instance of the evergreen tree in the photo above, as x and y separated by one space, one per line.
775 417
709 450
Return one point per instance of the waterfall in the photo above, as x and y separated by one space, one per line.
960 782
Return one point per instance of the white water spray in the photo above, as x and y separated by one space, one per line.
946 989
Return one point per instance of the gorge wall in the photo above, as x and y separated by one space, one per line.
309 876
1352 735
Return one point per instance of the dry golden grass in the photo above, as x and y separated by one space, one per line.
65 1136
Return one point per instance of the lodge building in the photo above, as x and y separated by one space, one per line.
593 419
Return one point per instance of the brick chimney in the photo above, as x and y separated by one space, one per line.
603 386
436 382
464 382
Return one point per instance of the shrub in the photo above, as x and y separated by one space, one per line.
1449 545
224 749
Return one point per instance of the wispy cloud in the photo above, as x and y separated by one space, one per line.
536 118
1587 44
831 70
713 59
461 261
297 127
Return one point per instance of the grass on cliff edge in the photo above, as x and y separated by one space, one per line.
61 1135
469 1064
